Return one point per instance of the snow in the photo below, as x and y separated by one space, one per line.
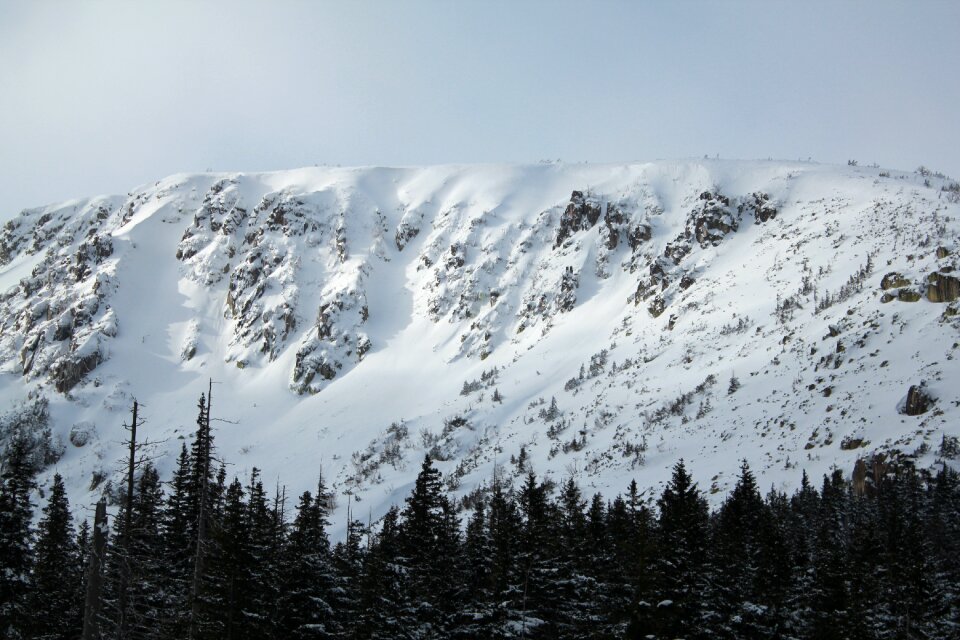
449 305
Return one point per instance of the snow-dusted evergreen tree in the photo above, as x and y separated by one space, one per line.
83 551
178 527
307 577
736 557
830 591
382 597
56 574
681 567
570 602
477 553
262 567
141 558
232 560
430 548
16 550
347 593
943 526
534 555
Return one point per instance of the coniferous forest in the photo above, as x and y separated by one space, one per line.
200 556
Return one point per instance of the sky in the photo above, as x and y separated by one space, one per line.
100 97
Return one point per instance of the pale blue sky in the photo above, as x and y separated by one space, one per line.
98 97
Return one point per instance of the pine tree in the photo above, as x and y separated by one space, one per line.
504 530
534 557
233 539
93 573
829 593
736 558
943 528
381 592
178 526
262 568
308 572
16 554
430 543
348 560
477 551
83 552
55 571
139 561
571 598
199 507
681 571
777 569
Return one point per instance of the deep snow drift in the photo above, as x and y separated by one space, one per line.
607 319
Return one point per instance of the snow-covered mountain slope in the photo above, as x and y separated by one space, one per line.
607 320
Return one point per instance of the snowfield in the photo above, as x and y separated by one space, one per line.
605 319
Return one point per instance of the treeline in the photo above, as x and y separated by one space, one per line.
203 557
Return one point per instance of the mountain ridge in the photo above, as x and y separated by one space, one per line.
356 318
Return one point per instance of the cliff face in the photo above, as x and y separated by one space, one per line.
607 319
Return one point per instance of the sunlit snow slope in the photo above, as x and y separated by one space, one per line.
608 319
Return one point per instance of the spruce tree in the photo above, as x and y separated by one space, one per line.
676 609
16 552
231 568
534 556
736 559
143 558
83 551
477 552
830 590
504 530
262 567
381 595
430 549
56 573
308 572
348 561
569 602
178 527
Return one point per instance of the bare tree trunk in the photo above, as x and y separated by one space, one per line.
94 574
127 519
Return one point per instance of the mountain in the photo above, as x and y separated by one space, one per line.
604 320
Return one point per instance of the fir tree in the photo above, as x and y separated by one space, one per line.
56 574
504 530
381 599
345 598
430 549
178 527
477 552
736 558
829 594
681 567
83 552
534 557
16 553
308 572
262 567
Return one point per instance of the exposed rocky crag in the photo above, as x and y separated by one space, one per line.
606 319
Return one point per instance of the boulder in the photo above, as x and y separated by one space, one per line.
942 287
894 280
918 401
908 295
81 433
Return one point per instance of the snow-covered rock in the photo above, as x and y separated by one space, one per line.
607 320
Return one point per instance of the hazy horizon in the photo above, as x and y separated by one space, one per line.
100 97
